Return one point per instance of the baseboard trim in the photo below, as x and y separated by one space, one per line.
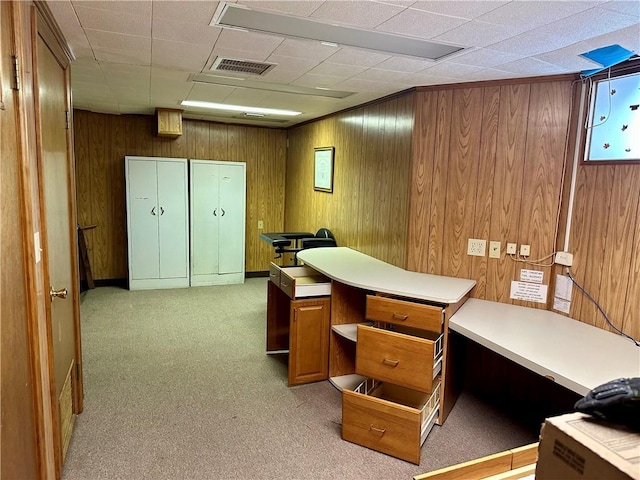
256 274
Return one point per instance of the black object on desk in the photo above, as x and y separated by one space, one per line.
281 242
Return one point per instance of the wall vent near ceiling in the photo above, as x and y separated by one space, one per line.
241 66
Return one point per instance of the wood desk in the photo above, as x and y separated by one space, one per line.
573 354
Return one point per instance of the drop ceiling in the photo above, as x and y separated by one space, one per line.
134 56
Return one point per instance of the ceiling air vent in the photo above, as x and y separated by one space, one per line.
240 66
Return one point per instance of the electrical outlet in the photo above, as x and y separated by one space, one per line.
476 247
260 224
564 258
525 250
494 249
512 248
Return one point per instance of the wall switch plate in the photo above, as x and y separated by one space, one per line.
476 247
564 258
260 224
512 248
494 249
525 250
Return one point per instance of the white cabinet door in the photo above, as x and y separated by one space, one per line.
172 217
232 221
217 197
157 225
142 193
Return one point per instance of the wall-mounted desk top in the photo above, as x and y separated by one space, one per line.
578 356
362 271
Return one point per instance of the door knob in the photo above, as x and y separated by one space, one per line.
62 293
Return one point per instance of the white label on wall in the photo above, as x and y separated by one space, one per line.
530 292
561 305
564 287
531 276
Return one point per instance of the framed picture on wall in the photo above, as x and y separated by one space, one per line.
323 169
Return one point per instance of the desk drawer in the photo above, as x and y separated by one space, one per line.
409 314
274 273
405 360
301 282
388 418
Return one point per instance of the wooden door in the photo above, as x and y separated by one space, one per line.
142 219
60 242
309 340
172 218
18 432
232 219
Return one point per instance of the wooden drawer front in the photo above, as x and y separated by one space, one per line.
395 358
274 273
302 282
389 419
416 315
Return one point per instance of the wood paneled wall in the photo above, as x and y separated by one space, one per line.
101 143
368 209
488 164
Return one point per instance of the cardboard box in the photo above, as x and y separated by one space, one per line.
578 447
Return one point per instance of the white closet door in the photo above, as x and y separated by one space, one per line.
172 206
232 206
143 219
205 215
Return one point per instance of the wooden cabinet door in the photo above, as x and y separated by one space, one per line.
309 340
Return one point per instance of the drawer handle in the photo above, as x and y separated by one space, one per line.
272 275
393 363
379 431
400 316
285 285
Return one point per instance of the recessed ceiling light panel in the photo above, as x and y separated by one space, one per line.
239 108
234 16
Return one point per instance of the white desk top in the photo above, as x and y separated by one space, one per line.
362 271
578 356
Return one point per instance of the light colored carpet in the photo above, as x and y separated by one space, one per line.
178 386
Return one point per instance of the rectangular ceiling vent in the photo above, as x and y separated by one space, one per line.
241 66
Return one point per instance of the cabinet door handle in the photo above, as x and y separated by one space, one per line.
215 210
222 211
400 316
393 363
285 285
379 431
161 211
153 211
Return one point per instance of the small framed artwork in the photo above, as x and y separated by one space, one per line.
323 169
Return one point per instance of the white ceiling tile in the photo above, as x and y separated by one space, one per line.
236 54
478 34
131 94
404 64
490 74
362 85
462 9
311 80
451 70
584 25
69 24
484 57
246 97
127 57
381 75
194 12
139 109
420 24
249 41
630 7
528 15
355 56
81 52
301 65
119 41
120 77
628 38
304 49
532 67
569 57
114 21
179 55
132 7
357 13
420 79
299 9
210 92
169 29
337 70
278 75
